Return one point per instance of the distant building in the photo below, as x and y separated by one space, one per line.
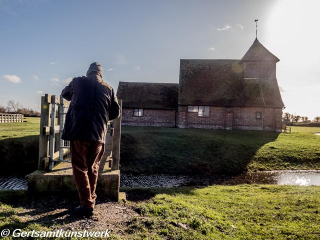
218 94
148 104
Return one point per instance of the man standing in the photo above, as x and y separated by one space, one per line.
93 104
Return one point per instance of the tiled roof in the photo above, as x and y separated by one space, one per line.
148 95
221 83
257 52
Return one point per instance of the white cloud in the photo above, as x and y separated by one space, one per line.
68 80
225 28
240 26
111 69
52 63
211 49
12 78
39 92
121 59
55 82
35 77
137 67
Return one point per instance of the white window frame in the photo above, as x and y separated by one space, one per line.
193 108
204 111
138 112
258 115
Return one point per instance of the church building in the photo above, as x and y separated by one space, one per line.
212 93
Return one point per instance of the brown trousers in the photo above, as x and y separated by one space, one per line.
85 158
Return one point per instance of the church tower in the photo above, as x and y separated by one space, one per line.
259 63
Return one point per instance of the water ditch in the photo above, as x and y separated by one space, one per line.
300 177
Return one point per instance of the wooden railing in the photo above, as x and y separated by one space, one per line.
52 148
9 118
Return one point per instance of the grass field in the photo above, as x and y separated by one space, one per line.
19 146
183 151
172 150
215 212
30 127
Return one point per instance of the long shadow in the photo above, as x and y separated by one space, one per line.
149 150
45 209
19 155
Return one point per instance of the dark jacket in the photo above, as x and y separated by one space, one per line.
93 104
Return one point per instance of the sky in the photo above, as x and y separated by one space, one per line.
45 43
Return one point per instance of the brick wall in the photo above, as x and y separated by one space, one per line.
232 118
151 117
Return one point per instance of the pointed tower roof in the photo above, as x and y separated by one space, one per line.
257 52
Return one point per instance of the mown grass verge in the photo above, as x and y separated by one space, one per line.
202 151
229 212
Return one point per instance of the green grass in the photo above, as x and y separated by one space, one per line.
30 126
296 129
230 212
182 151
19 146
201 151
214 212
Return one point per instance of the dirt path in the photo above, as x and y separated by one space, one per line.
55 212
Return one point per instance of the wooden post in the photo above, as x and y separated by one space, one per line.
43 138
116 141
61 123
52 132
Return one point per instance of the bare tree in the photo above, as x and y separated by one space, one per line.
13 106
2 109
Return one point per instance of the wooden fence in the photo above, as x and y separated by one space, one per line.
52 148
9 118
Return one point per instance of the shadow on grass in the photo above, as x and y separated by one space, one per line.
46 209
19 155
150 150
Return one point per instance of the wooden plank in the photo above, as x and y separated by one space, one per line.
47 98
66 103
43 139
55 129
60 123
52 135
45 130
116 141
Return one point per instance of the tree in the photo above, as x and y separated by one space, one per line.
13 106
29 112
317 119
287 117
292 117
2 109
297 118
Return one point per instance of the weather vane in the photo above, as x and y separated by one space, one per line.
256 27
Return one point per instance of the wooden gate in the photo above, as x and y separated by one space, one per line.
53 149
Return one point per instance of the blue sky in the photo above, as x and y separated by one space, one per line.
44 43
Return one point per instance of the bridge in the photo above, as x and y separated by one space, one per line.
54 172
